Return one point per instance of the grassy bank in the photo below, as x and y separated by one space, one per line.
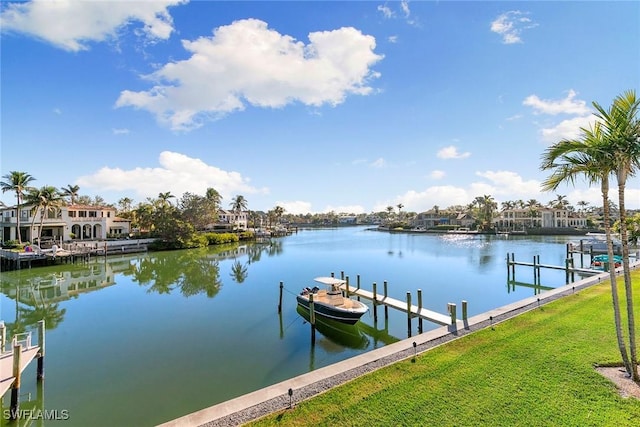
533 370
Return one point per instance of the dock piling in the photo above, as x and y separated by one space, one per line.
312 318
408 314
15 387
40 368
3 336
280 299
464 310
419 310
452 311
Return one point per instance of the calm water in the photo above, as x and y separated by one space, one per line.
142 339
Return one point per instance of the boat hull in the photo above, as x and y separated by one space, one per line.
327 311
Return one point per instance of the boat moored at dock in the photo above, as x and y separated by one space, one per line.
331 303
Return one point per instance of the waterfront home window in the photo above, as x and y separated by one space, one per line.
93 214
72 214
82 214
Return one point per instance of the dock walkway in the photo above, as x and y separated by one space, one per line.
6 366
432 316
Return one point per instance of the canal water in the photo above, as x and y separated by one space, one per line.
145 338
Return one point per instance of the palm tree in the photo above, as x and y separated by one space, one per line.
213 195
532 205
17 182
621 129
583 205
46 200
71 191
125 204
588 157
399 206
238 204
560 202
163 199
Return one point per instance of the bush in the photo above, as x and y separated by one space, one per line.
221 238
10 244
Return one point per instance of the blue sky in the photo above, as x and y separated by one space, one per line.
312 106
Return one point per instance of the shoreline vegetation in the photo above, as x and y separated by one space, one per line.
539 368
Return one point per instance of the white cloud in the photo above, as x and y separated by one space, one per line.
71 24
567 129
404 5
511 24
247 63
386 11
437 174
295 207
392 39
501 185
568 105
57 111
122 131
177 173
451 152
379 163
506 185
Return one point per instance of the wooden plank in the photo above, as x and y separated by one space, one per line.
430 315
6 367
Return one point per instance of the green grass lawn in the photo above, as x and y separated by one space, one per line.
533 370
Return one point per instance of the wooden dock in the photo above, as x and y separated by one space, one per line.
569 269
405 306
14 361
6 366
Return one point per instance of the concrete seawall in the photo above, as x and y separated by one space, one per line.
276 397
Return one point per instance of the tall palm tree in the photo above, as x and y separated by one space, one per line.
47 199
213 195
532 205
163 199
238 204
71 191
583 205
621 129
125 204
17 182
587 157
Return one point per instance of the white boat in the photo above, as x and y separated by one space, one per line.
330 303
463 230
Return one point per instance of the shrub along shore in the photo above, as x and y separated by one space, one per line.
532 370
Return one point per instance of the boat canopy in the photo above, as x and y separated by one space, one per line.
330 281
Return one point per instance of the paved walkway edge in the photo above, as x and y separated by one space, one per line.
276 397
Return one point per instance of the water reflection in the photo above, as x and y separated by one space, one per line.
38 293
336 333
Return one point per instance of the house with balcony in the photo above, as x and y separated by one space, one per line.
540 217
81 222
232 220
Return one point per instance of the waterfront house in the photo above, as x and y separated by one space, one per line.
540 217
82 222
231 220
